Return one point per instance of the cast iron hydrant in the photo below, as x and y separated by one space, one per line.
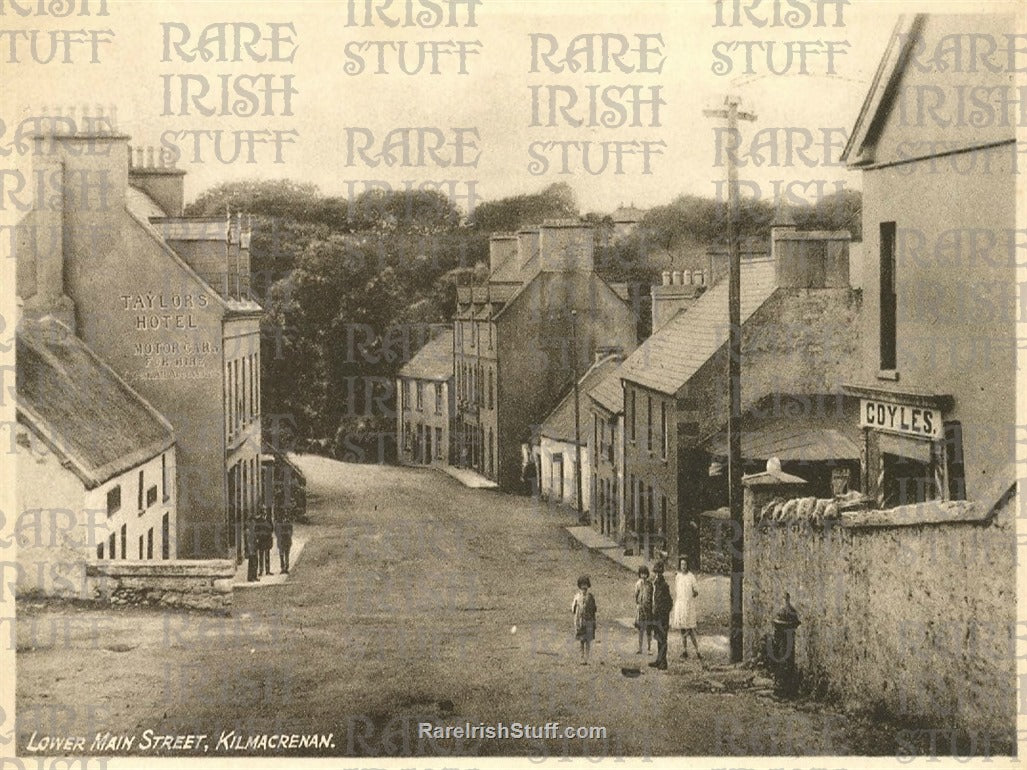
782 654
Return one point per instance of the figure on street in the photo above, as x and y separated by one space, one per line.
644 609
662 604
265 539
683 618
283 537
584 609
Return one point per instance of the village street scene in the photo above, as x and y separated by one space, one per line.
381 474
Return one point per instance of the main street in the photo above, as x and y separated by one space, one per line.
415 600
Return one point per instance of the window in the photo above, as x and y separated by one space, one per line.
663 515
474 334
151 495
165 490
140 546
149 543
113 500
420 396
112 546
631 421
595 438
124 541
99 551
427 444
906 471
165 537
649 423
139 496
440 390
438 443
664 438
492 386
888 298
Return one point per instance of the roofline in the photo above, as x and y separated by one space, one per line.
103 365
152 232
878 95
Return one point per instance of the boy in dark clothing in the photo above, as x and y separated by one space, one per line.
662 604
265 539
283 536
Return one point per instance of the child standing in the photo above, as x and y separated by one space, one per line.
644 608
686 589
584 609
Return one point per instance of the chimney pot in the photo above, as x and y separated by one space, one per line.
666 277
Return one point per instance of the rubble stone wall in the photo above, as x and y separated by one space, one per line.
186 584
915 622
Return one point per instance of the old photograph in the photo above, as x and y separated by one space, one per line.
414 383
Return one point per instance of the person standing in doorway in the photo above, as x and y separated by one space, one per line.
662 604
686 591
283 538
584 609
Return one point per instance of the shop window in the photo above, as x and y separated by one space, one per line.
888 301
907 471
113 500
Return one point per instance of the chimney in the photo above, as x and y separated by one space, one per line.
783 223
41 245
813 259
153 171
502 249
566 245
527 249
672 297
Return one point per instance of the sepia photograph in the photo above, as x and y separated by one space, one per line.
421 383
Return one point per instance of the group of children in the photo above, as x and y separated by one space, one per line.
655 611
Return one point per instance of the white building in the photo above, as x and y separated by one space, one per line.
95 464
558 441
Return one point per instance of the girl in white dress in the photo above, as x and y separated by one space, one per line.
686 591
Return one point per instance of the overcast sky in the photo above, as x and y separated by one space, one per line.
494 98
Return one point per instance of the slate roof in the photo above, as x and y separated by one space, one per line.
808 436
608 393
559 425
671 356
434 361
81 407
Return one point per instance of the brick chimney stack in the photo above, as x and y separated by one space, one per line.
566 245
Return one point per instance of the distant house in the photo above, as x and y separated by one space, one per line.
625 220
606 453
96 465
514 337
560 439
424 403
799 336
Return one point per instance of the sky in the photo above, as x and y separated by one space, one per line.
488 108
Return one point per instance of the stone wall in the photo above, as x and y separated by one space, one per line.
715 542
908 613
197 585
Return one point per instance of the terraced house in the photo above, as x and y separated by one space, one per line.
799 336
424 403
517 344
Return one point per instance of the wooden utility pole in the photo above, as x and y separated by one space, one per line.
577 413
732 115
